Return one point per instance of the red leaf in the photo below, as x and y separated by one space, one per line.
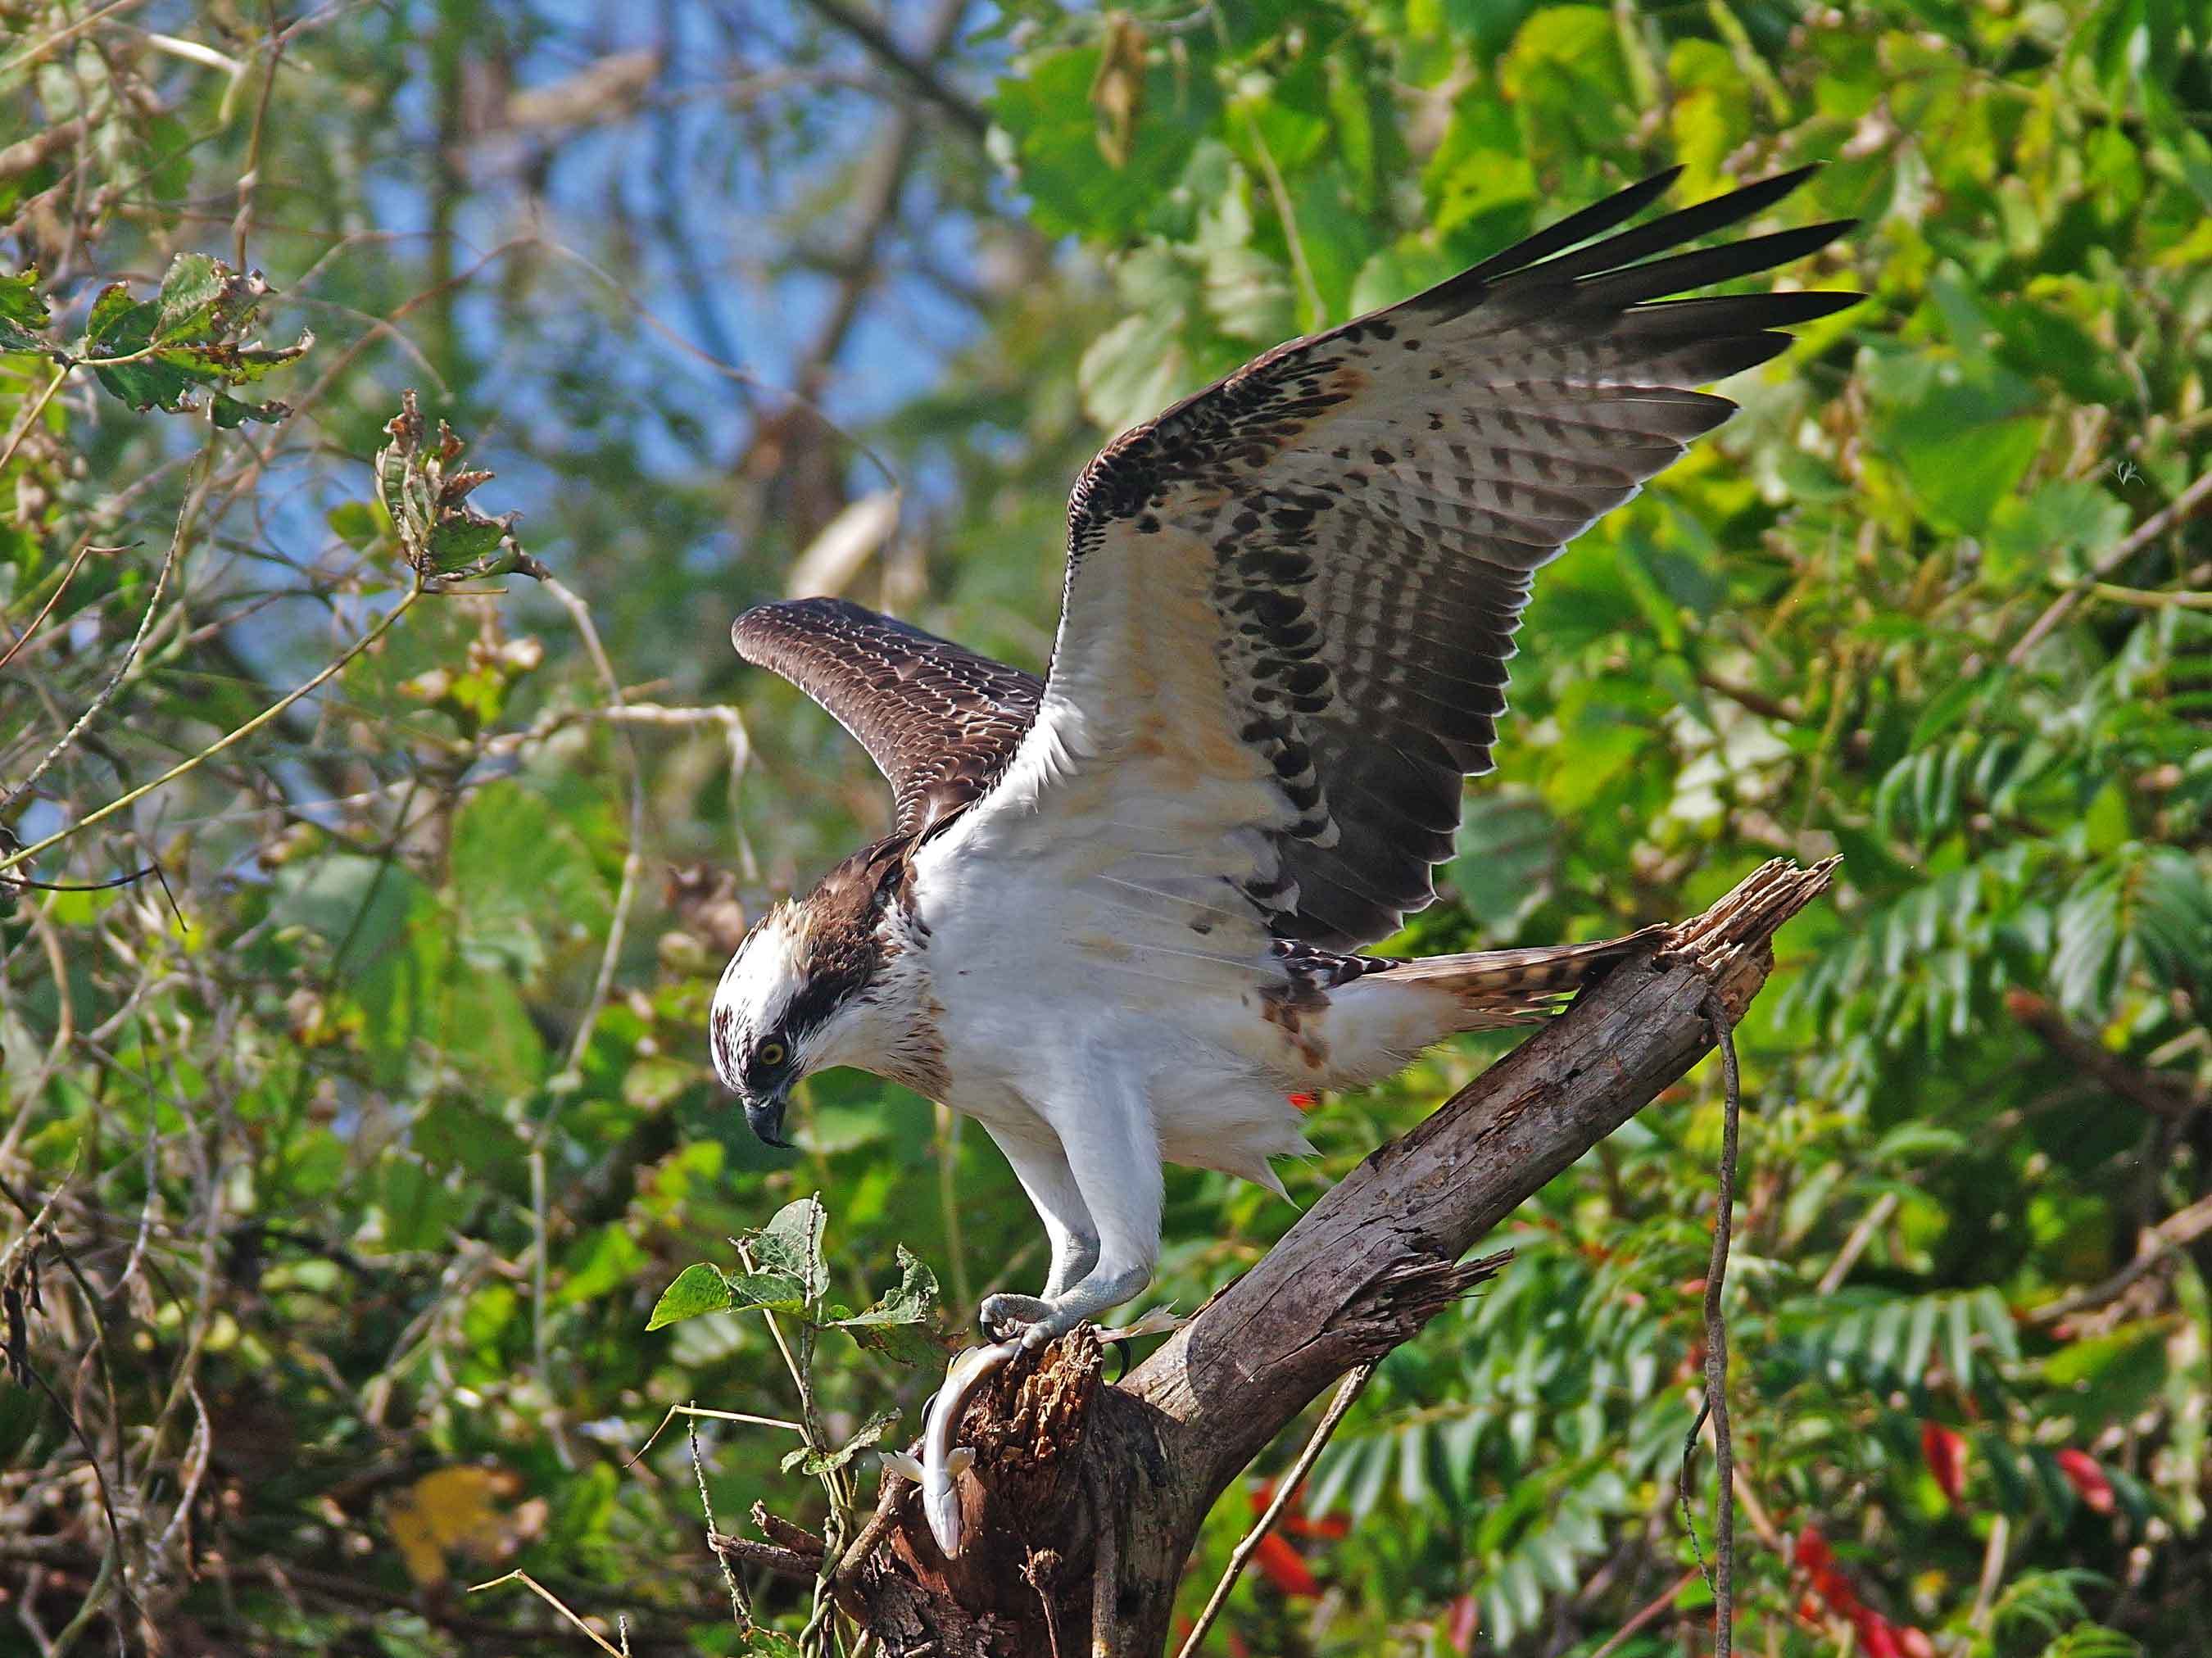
1945 1451
1285 1568
2086 1478
1880 1637
1813 1550
1461 1630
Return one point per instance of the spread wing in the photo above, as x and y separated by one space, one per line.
938 721
1290 600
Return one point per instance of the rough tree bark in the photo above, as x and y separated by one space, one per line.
1087 1498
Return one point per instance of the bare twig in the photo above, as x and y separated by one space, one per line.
1347 1392
918 72
553 1602
1717 1350
739 1611
602 986
39 48
249 180
2167 1098
1855 1245
2184 1226
2177 511
47 609
769 1557
675 1410
132 797
1651 1609
634 854
112 1562
185 515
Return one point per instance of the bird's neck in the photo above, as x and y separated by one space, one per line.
895 1030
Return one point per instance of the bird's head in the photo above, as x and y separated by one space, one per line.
797 997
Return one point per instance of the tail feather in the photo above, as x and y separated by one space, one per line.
1499 987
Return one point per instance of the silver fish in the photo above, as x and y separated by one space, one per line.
942 1461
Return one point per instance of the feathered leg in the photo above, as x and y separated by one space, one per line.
1040 1163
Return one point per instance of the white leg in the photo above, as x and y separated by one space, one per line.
1112 1151
1040 1163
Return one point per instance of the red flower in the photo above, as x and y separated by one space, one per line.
1945 1453
2086 1478
1461 1630
1304 1102
1294 1520
1285 1568
1880 1637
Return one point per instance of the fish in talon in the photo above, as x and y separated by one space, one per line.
942 1462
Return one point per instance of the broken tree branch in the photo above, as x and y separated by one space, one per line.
1112 1483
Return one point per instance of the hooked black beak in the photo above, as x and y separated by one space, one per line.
765 1118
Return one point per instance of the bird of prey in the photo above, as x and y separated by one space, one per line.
1116 917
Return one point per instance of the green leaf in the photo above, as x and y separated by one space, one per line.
601 1262
22 314
1047 111
193 293
698 1289
354 522
2056 529
187 340
1508 853
806 1460
909 1304
1963 432
425 493
790 1246
2113 1376
1959 1351
1920 1338
775 1292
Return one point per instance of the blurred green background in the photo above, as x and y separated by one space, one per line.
360 1168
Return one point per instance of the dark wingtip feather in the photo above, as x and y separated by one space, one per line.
1634 284
1577 227
1544 259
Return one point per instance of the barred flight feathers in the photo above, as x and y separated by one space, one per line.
1299 588
938 720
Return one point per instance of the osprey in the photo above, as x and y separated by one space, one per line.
1115 918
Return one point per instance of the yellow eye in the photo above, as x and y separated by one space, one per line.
770 1053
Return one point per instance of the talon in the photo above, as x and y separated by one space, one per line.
1007 1316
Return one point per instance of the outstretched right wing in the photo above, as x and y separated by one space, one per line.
1290 600
939 721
